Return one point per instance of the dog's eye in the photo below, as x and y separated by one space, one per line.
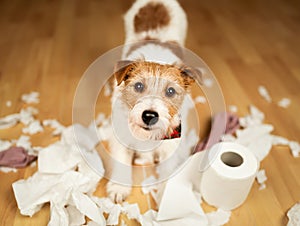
170 92
139 87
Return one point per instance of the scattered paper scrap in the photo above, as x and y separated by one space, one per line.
219 217
58 158
261 176
75 216
31 98
61 180
123 223
100 119
182 186
8 103
295 148
261 144
149 186
257 136
27 115
86 206
33 128
278 140
108 90
264 93
8 169
66 181
284 103
262 186
65 154
200 100
261 179
256 117
54 124
294 215
58 189
23 141
208 82
232 108
113 210
293 145
4 144
9 121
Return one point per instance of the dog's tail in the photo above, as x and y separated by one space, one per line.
163 20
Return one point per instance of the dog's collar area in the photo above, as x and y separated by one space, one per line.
175 134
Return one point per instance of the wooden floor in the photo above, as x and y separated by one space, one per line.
46 45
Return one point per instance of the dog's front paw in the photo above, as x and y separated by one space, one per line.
116 192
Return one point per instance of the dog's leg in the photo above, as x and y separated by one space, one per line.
119 186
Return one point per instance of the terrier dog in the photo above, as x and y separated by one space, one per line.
151 83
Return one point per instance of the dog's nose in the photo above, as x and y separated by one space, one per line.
150 117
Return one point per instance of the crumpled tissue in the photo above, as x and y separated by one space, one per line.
60 183
294 215
66 181
26 116
31 98
54 124
257 136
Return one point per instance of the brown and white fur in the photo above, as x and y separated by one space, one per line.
150 78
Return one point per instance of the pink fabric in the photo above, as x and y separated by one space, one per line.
218 129
15 157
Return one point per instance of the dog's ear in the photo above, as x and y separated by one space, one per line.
122 70
190 75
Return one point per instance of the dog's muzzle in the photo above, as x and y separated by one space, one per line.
150 117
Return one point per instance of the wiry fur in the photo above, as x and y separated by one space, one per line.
156 78
175 31
157 67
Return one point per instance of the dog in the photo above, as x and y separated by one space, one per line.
151 83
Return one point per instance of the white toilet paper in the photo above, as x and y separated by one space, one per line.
229 177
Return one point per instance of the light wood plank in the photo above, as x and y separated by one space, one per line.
47 45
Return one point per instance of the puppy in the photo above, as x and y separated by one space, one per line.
151 84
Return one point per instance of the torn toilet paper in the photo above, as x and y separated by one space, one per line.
284 103
264 93
257 136
33 127
9 121
31 98
54 124
261 179
63 179
200 100
8 103
68 182
294 215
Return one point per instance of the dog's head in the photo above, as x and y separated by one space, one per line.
153 94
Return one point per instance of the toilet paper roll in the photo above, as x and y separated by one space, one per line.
227 181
